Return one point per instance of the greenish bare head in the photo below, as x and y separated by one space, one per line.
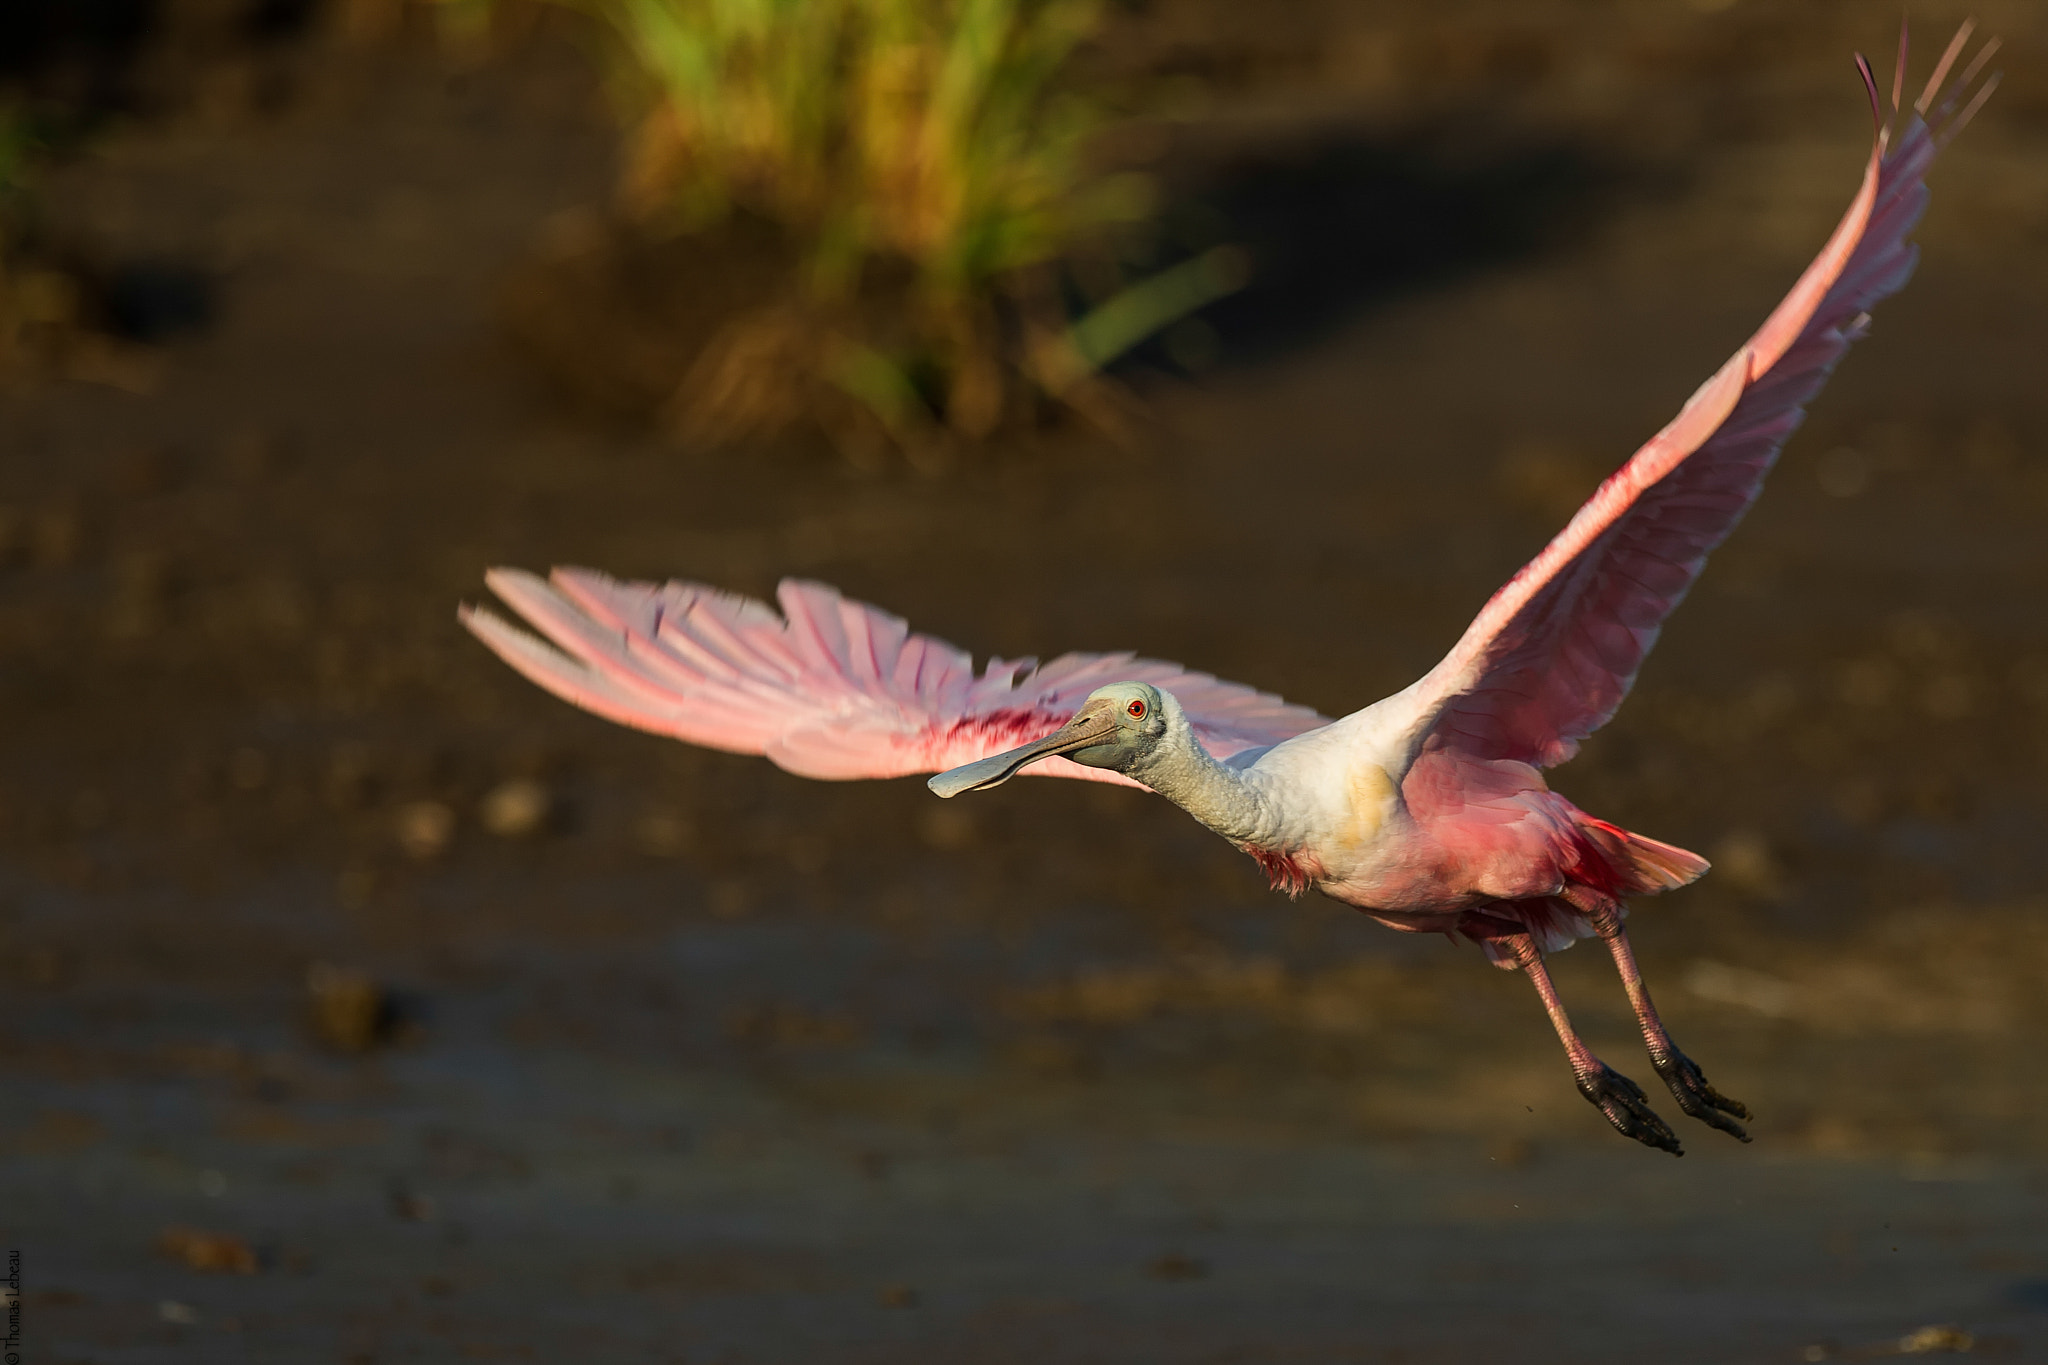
1117 727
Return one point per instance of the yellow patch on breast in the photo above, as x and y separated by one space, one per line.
1371 794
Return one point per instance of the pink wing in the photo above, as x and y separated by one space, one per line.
1551 656
826 687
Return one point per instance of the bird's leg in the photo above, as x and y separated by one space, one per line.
1688 1086
1612 1093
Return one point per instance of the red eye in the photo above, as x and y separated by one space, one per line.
1137 709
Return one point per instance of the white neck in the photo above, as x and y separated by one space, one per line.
1183 772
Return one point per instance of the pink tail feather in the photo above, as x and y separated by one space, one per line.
1639 865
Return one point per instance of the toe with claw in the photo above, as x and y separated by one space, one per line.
1698 1098
1621 1100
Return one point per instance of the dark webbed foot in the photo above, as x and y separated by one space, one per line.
1621 1100
1697 1098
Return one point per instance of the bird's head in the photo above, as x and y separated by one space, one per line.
1118 727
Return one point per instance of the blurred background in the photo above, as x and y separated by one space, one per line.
360 1003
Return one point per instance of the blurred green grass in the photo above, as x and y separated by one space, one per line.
935 131
928 164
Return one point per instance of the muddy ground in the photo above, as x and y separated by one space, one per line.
716 1064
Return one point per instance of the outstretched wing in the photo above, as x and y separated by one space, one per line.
827 687
1551 656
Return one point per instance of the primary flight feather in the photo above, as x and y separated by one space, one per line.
1427 810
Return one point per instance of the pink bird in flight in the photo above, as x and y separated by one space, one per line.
1427 810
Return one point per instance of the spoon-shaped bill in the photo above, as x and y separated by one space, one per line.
1091 725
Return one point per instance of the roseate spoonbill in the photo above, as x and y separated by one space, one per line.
1426 810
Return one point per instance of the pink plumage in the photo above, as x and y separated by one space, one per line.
827 687
1426 810
1551 656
